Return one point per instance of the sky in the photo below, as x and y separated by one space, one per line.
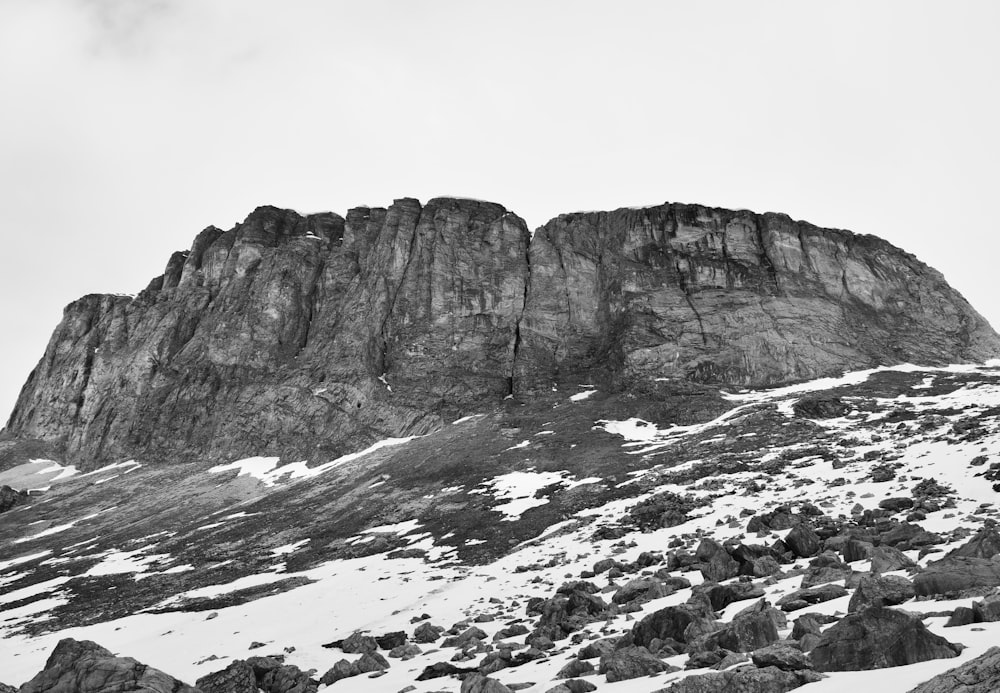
127 126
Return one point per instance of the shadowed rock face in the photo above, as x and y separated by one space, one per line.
310 337
731 297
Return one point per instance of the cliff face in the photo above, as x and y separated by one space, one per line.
731 297
312 336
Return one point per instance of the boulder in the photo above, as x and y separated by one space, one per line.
238 677
82 666
391 640
745 633
956 574
441 669
477 683
876 638
573 686
803 541
576 667
721 596
427 633
887 558
274 676
597 648
782 655
799 599
881 590
641 590
743 680
670 623
632 662
984 544
715 562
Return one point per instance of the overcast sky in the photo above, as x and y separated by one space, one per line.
126 126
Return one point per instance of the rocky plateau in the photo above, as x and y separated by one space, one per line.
675 449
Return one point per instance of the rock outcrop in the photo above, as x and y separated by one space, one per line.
312 336
81 666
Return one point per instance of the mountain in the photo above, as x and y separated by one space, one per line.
674 449
311 337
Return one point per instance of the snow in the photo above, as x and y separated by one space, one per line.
286 549
55 529
115 562
266 469
7 563
580 396
522 444
397 528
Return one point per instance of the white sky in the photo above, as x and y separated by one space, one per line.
126 126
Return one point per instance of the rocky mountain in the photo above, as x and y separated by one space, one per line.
421 449
311 337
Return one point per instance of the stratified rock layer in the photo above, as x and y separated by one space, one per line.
310 337
272 337
731 297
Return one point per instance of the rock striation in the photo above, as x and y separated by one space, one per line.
311 336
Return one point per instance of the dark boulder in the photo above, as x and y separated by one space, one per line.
782 655
887 558
881 590
238 677
721 596
803 541
670 623
984 544
799 599
631 663
876 638
957 574
576 667
744 633
715 562
441 669
744 680
391 640
477 683
82 666
642 590
573 686
274 676
427 633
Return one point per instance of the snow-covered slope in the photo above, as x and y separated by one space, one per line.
233 561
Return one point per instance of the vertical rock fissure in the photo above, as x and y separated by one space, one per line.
686 290
766 261
520 317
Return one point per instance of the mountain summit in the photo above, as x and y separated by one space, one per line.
313 336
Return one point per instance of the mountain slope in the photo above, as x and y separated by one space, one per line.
217 560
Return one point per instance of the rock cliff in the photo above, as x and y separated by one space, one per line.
311 336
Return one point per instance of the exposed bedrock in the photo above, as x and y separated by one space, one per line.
312 336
